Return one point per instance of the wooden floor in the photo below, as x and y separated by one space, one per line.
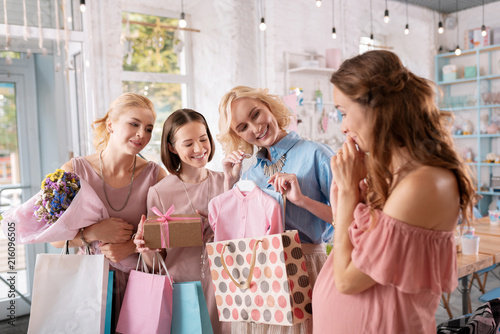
21 326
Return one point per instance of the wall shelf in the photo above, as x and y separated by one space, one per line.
312 70
467 94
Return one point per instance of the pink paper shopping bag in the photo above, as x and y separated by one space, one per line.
147 305
261 280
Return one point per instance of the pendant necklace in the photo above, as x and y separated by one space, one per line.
104 187
203 247
275 167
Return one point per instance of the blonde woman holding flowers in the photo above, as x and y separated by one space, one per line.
121 179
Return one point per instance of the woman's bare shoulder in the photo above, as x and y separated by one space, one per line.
92 159
427 197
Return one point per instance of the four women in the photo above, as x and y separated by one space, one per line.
394 249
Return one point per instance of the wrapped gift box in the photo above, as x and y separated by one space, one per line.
184 232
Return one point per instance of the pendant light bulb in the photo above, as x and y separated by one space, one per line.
82 6
458 52
334 33
318 3
371 38
386 16
440 27
262 25
483 31
407 29
182 21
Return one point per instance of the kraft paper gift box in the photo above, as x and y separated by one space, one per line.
172 230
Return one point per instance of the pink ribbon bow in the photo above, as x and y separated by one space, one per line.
164 218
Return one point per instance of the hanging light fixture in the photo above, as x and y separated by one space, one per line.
371 22
182 20
334 32
318 3
262 25
458 52
386 13
440 24
407 27
483 28
82 6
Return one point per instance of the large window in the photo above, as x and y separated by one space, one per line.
155 65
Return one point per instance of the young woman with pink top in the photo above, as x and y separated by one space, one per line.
186 147
121 179
395 209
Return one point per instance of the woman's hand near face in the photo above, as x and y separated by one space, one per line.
231 165
348 169
109 231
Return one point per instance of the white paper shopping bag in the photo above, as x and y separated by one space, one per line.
69 294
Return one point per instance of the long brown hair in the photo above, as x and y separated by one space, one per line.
405 115
176 120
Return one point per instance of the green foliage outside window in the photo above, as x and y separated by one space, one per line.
148 44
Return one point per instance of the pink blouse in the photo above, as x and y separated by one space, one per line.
412 267
235 215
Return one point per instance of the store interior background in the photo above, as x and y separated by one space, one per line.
228 50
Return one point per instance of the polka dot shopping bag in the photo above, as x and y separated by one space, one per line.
262 280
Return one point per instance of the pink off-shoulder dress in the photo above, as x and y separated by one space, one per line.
412 267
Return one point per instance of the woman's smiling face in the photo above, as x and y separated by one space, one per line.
191 144
253 122
357 121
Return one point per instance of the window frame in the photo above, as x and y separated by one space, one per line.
186 80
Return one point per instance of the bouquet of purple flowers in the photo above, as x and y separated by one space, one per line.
58 190
65 204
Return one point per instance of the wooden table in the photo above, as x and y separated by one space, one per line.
489 254
483 227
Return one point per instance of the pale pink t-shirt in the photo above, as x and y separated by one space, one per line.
235 215
412 267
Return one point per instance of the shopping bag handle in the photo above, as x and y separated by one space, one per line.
144 266
65 250
246 284
162 264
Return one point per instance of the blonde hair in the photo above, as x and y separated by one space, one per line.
121 104
229 140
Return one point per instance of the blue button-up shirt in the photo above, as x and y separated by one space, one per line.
310 161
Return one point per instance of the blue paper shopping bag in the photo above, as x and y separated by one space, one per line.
190 312
109 303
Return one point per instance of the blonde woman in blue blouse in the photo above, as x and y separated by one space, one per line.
286 163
